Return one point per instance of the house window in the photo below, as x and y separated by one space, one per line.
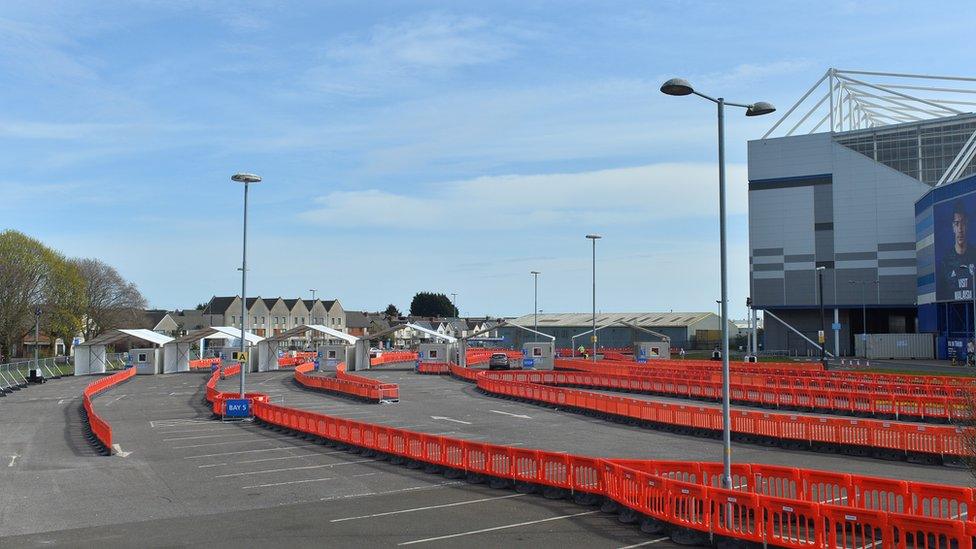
233 319
303 320
262 321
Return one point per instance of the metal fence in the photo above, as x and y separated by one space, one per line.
13 375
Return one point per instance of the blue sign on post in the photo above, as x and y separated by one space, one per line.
237 407
528 362
835 326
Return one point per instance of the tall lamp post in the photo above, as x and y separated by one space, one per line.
864 309
972 282
679 87
822 339
35 375
594 238
454 304
246 179
535 301
313 290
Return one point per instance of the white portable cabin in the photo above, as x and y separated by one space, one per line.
90 356
344 352
445 351
177 355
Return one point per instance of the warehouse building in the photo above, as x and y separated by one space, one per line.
686 330
844 200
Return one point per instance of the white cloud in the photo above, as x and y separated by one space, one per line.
395 55
620 196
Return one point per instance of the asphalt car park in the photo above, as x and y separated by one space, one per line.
180 477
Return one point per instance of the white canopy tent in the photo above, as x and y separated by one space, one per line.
177 355
268 348
90 355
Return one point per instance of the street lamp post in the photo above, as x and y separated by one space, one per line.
454 304
35 375
535 301
864 310
246 179
594 238
972 291
679 87
823 327
313 290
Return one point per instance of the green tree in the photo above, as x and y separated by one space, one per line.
432 304
392 311
64 304
23 272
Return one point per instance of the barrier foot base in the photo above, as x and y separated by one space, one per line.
476 478
628 516
551 492
586 499
609 506
686 536
525 487
652 526
499 483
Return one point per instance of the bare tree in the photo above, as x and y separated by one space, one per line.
110 300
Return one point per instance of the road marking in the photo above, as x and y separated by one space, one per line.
118 398
60 402
201 436
12 460
249 440
505 527
275 449
247 473
510 414
275 459
468 502
284 483
397 491
651 542
117 450
450 419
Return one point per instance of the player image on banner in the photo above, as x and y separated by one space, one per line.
955 249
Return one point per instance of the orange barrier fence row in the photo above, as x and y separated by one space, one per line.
218 399
389 357
100 429
434 368
774 505
865 401
886 439
813 372
347 384
481 356
204 363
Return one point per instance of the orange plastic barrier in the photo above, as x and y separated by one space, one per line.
884 400
886 439
389 357
203 363
434 368
100 429
348 384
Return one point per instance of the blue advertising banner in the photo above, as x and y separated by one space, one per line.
955 248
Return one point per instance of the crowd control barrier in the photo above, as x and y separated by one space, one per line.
886 401
434 368
933 444
218 399
100 432
771 505
204 363
390 357
348 384
950 384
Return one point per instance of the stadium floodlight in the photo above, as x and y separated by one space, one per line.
246 179
679 87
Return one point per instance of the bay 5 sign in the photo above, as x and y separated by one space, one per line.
237 407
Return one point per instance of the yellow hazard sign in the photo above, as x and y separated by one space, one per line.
240 357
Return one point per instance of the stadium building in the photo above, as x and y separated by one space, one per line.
859 158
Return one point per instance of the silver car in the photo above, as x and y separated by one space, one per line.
498 361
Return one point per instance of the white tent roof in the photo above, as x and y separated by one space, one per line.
300 331
219 332
432 333
113 336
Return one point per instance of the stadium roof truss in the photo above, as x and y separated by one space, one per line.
847 100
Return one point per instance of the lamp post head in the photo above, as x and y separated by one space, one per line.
243 177
535 272
760 108
821 268
594 236
677 86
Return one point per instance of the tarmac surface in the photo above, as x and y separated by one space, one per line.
184 479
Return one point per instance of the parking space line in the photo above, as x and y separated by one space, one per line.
427 508
249 440
322 466
201 436
275 459
495 528
275 449
397 491
642 544
284 483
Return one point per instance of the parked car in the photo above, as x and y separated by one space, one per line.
499 361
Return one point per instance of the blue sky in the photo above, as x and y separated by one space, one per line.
407 146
